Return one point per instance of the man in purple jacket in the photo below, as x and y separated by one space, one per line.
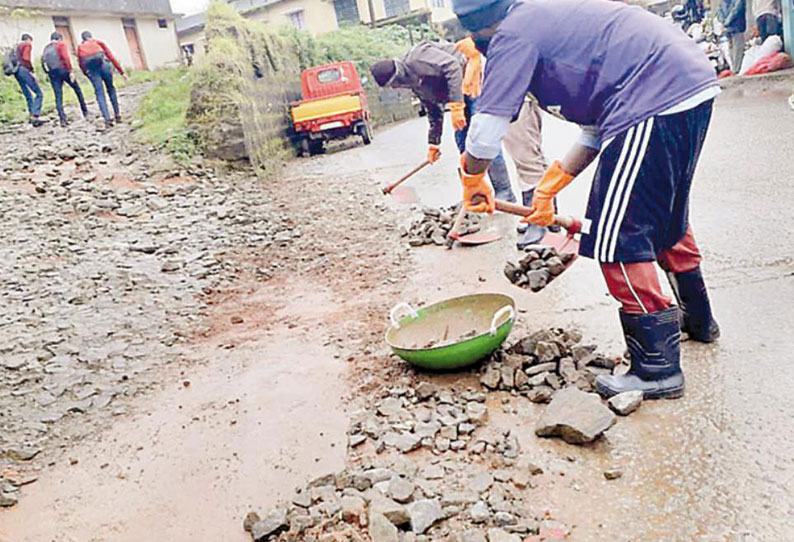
643 93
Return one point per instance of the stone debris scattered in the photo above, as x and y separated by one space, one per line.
575 416
358 504
111 249
432 227
410 418
544 362
625 403
539 266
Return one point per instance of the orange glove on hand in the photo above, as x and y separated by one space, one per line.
433 153
458 115
554 180
476 187
472 75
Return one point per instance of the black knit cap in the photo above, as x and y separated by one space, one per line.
383 71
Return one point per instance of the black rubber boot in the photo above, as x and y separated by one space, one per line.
653 340
696 317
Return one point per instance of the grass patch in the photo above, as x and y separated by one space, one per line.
162 114
14 109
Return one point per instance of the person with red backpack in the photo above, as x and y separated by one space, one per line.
22 69
96 60
57 65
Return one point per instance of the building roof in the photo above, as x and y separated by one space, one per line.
190 23
122 7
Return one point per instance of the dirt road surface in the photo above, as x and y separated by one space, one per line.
248 411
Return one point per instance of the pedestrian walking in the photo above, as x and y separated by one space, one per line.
97 62
27 80
767 18
435 74
648 104
57 65
732 13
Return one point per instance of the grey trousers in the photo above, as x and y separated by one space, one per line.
737 51
523 144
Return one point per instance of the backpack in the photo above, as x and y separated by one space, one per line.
50 58
10 62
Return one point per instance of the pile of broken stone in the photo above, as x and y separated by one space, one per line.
472 486
408 503
424 417
433 225
540 265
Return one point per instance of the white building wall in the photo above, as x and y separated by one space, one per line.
160 45
107 29
12 28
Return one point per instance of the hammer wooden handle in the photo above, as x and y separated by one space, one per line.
567 222
414 171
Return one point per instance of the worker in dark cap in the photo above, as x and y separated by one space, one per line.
435 73
643 93
57 65
27 80
97 62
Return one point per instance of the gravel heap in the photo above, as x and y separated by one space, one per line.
432 227
406 502
548 360
540 265
423 417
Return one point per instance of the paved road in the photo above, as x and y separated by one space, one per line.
717 465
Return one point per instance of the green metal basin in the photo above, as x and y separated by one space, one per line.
451 334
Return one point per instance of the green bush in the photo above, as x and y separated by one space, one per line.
163 110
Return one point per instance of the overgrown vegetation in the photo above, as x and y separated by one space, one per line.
162 114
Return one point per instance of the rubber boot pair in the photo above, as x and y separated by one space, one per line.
693 300
654 341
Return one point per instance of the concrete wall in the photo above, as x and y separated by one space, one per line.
159 45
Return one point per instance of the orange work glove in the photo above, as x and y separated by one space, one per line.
554 180
458 115
433 153
472 75
476 187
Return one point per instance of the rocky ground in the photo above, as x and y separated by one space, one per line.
173 335
110 253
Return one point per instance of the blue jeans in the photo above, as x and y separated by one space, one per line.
58 77
100 73
29 85
497 171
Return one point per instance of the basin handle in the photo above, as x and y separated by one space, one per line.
402 305
507 309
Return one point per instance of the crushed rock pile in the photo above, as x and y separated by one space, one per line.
539 266
433 225
406 502
410 418
544 362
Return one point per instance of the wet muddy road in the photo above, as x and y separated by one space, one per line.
267 408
